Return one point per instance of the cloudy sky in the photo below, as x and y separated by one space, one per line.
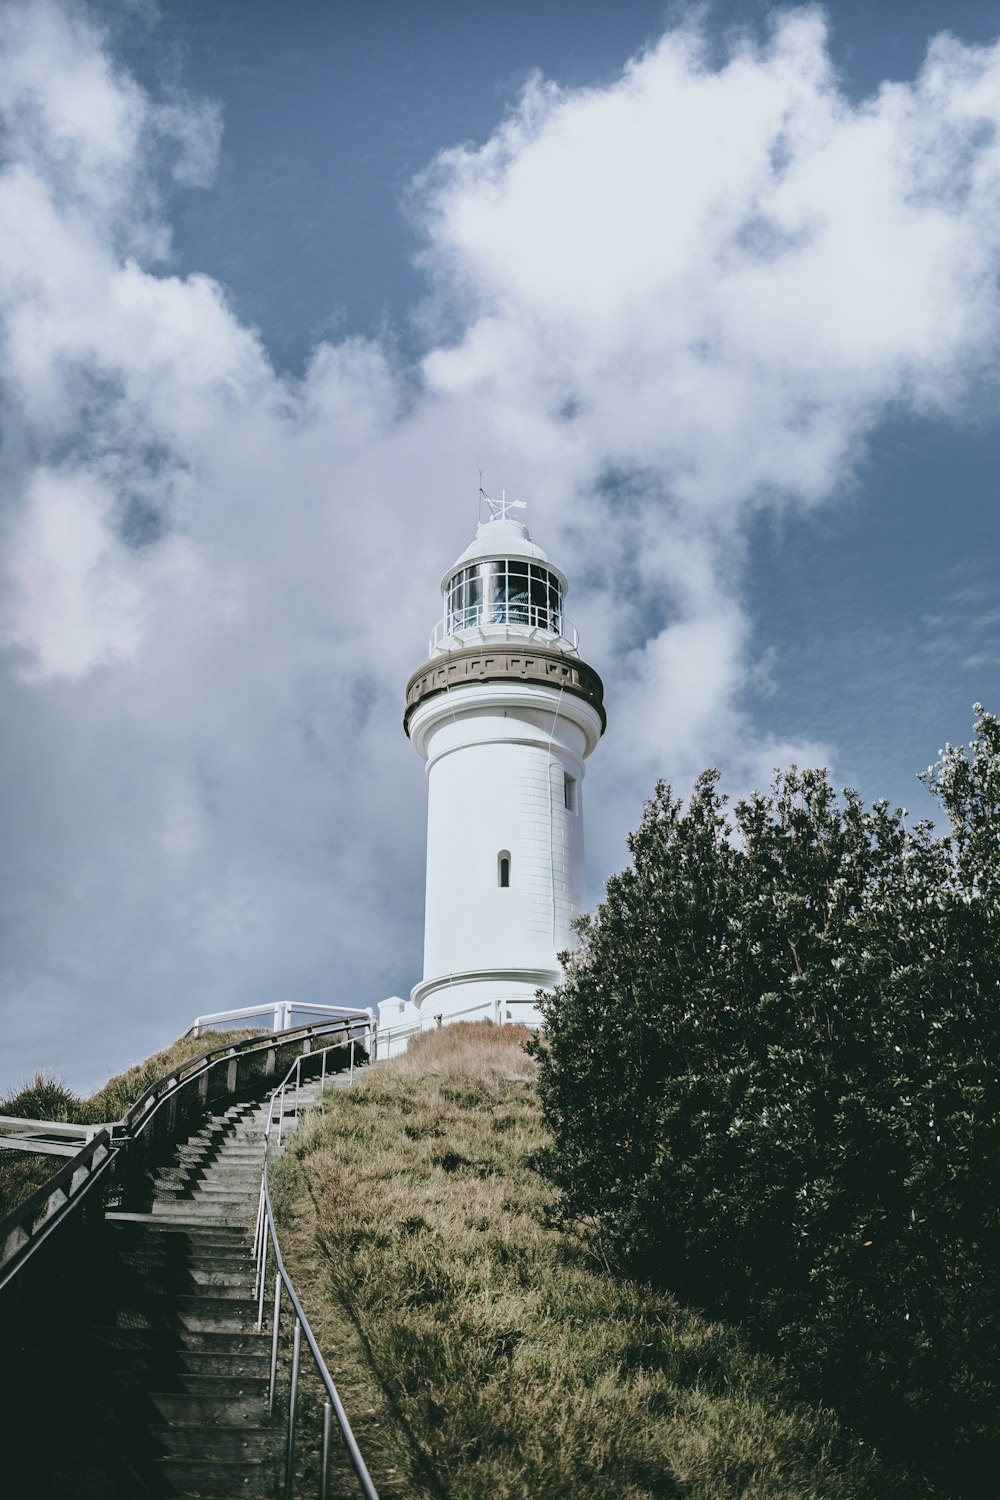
713 289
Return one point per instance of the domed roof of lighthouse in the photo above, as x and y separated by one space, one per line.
498 538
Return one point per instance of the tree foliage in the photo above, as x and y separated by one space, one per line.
771 1079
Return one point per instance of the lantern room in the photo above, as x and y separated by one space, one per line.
502 586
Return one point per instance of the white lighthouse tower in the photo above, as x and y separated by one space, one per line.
505 713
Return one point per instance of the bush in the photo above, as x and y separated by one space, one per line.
771 1076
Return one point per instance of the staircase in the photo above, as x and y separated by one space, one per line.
187 1373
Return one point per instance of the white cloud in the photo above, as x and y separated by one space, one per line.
74 600
660 304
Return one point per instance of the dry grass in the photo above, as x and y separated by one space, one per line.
468 1050
119 1093
484 1353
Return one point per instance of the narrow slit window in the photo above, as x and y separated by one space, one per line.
569 792
503 869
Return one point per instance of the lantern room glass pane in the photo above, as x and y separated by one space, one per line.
496 593
517 593
539 595
509 591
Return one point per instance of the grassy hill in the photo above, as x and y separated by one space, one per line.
482 1352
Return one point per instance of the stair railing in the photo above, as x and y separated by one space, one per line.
265 1242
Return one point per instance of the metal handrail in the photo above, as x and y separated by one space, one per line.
265 1237
334 1404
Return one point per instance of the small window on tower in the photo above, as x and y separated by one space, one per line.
503 868
569 792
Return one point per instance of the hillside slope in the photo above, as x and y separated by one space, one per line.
484 1353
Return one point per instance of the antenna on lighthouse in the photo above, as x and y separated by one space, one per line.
479 503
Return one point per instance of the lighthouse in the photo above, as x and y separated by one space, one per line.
505 713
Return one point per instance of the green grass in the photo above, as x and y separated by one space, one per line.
46 1097
482 1352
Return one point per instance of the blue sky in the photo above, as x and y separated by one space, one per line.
713 290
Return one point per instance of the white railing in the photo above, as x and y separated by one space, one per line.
388 1036
519 621
280 1013
265 1242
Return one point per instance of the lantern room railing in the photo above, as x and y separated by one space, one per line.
520 618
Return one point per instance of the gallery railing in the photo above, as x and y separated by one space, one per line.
522 619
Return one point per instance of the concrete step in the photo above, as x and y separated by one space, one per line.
233 1408
250 1161
190 1345
145 1242
235 1318
220 1173
185 1288
202 1298
250 1165
246 1443
193 1216
161 1365
207 1480
219 1212
240 1213
222 1232
220 1341
218 1146
202 1275
251 1370
209 1192
219 1189
202 1260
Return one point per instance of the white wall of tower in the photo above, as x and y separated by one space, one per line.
497 769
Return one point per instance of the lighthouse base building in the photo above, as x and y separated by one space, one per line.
505 713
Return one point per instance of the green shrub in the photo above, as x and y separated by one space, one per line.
44 1097
771 1076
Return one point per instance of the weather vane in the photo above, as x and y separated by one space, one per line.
500 509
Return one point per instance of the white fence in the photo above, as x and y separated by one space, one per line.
280 1014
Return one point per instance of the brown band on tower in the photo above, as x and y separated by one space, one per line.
480 664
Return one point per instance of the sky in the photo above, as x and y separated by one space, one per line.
713 289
